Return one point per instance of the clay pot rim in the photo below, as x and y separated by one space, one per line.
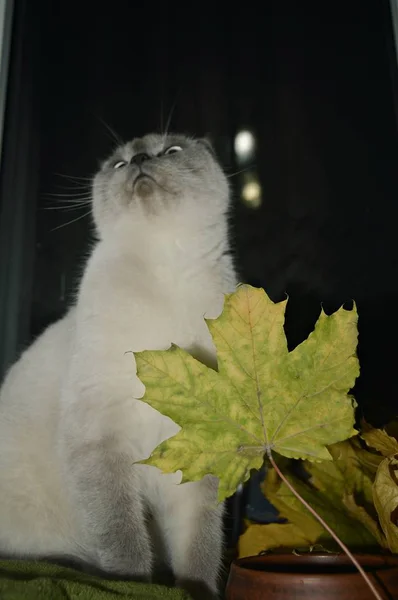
289 575
369 560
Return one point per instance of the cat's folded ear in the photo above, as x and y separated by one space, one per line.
207 142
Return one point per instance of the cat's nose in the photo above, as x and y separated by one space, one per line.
139 158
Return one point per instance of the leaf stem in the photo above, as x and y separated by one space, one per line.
326 526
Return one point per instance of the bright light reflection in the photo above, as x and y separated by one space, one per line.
251 193
244 144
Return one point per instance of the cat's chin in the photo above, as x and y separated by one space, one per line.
144 187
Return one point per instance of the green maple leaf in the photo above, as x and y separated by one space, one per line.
262 399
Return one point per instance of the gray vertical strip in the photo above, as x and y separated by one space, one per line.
6 12
394 16
19 184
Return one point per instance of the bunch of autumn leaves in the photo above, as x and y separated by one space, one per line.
356 493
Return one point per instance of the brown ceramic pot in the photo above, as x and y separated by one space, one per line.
315 576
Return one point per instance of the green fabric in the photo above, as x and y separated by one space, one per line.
25 580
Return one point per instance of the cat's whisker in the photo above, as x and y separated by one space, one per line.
170 116
69 205
83 192
72 221
161 116
74 177
244 170
164 189
81 200
66 208
115 137
78 196
73 187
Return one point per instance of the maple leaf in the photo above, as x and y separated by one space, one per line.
385 487
263 398
353 467
362 515
301 530
385 494
259 538
290 507
341 493
379 440
339 490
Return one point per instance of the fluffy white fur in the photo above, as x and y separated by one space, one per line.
71 420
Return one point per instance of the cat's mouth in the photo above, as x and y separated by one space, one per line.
144 176
143 184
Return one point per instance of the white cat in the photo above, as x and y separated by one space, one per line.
71 422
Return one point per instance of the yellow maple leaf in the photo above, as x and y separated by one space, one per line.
259 538
262 399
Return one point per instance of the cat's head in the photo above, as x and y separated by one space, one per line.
159 176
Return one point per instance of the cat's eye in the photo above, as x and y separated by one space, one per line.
173 150
119 164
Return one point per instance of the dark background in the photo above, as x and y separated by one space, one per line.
316 84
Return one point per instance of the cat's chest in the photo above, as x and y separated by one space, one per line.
156 325
153 317
134 309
